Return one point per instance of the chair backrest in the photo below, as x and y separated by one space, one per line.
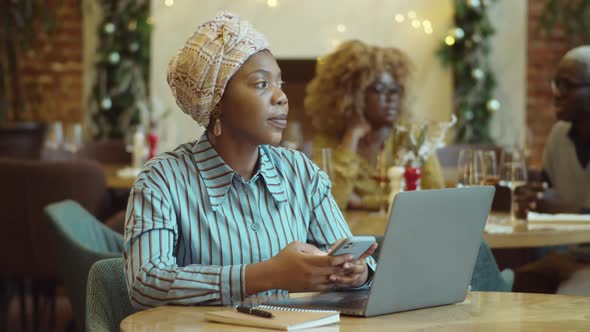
448 155
80 240
21 140
486 275
26 188
107 300
106 151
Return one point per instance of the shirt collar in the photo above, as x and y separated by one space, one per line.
218 176
272 178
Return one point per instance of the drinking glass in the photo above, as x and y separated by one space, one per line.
55 135
513 174
489 167
327 165
470 168
73 139
380 176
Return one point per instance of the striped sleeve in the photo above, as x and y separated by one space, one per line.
153 276
327 223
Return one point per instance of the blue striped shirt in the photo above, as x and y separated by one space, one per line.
193 224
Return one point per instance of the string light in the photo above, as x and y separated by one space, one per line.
132 26
272 3
415 22
341 28
459 33
427 27
450 40
169 3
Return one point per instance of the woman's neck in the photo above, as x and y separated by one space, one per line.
373 143
379 135
237 154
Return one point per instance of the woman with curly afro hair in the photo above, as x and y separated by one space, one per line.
354 101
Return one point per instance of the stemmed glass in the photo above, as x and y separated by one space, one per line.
513 174
490 173
73 139
380 176
470 168
55 136
327 166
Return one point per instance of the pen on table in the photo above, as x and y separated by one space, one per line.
253 311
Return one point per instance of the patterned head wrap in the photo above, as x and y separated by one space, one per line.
200 70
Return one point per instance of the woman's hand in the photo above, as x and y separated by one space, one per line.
302 267
528 198
355 272
356 130
537 197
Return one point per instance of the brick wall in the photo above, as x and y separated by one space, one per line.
543 54
52 79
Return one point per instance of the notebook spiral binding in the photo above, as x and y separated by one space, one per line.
270 307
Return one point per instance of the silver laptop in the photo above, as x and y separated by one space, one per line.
427 255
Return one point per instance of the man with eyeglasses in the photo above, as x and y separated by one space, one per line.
566 168
567 151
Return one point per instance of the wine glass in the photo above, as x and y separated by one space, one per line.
327 165
513 174
489 167
470 168
55 135
380 176
73 138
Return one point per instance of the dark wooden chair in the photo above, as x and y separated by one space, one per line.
21 140
106 152
448 156
25 247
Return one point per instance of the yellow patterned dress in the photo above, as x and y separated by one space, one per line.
353 173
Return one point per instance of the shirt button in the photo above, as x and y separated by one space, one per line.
254 227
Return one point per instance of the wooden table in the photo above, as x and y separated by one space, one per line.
113 180
482 311
538 235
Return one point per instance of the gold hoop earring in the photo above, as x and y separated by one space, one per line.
217 125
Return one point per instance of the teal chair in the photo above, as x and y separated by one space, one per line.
487 276
107 299
80 240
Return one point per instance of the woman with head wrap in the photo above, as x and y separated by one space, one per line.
355 100
231 215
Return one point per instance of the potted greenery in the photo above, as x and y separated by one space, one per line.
22 22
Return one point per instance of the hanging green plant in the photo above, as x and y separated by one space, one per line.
465 50
573 16
22 24
120 94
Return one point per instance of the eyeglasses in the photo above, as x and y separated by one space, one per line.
564 86
384 90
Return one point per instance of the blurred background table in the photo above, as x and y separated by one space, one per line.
482 311
497 234
114 181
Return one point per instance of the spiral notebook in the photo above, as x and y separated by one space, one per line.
286 319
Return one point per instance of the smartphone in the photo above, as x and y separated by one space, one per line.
354 245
